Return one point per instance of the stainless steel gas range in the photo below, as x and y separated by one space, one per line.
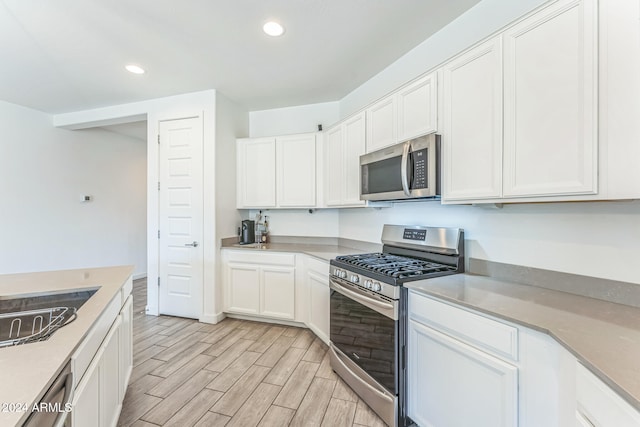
369 306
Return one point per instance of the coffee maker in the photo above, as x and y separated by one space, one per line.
247 233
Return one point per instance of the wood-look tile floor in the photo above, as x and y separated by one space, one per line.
234 373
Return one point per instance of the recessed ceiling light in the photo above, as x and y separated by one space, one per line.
274 29
134 69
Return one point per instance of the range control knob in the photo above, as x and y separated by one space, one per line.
354 278
368 283
343 274
377 286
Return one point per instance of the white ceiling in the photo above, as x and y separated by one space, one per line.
68 55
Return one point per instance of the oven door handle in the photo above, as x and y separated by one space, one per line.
403 168
371 385
385 308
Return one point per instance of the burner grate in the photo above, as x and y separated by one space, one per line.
395 266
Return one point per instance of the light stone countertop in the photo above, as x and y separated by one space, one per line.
28 370
320 251
603 336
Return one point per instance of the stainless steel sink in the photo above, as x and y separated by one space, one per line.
31 318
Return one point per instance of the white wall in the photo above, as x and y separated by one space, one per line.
299 222
232 122
300 119
45 172
600 239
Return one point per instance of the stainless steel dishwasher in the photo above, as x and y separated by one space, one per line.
55 405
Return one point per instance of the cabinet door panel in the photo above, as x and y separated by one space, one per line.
381 124
472 134
277 292
319 305
600 405
110 403
86 400
417 108
455 385
550 108
257 173
243 290
354 146
126 345
296 171
333 166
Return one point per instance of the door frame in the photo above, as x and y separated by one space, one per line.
200 288
207 311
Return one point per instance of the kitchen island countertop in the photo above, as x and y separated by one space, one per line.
28 370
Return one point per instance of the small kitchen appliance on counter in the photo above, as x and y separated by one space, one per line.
247 232
368 311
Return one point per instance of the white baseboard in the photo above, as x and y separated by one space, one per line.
266 320
212 318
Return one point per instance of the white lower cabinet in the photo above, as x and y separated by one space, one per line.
261 284
126 346
317 277
467 368
452 383
598 406
277 292
98 396
86 402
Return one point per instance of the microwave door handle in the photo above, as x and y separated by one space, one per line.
404 169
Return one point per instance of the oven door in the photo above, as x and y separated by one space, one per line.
364 327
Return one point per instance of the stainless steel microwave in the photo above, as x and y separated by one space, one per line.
409 170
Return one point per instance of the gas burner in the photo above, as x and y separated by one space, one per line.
395 266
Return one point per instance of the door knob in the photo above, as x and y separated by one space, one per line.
193 245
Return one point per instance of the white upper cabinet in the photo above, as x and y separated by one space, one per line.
296 171
333 166
345 143
472 134
521 111
278 172
407 113
256 173
550 102
354 146
418 108
381 124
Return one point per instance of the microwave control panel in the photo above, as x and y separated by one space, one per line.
419 161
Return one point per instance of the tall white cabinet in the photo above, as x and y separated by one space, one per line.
472 141
550 102
345 143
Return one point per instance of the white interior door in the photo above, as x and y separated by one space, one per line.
181 217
